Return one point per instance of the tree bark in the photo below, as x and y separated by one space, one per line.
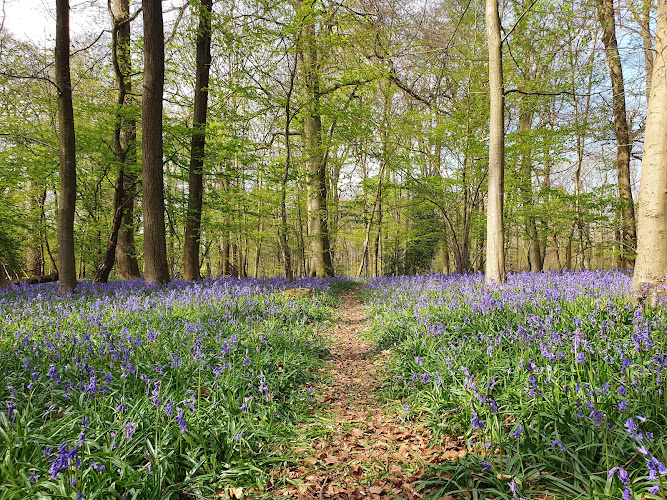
67 149
621 130
650 276
226 271
125 141
195 180
125 131
369 226
495 237
156 268
642 15
287 256
35 253
534 251
127 265
103 271
316 165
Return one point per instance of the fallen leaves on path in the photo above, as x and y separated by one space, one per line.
369 453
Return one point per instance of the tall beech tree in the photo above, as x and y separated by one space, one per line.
621 130
124 144
195 179
650 276
495 234
67 152
156 267
313 142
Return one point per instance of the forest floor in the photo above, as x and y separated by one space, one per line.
358 445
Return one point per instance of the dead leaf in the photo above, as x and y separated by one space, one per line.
395 470
357 433
377 489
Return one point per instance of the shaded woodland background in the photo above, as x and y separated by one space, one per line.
367 118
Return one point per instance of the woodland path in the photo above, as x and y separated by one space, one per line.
364 447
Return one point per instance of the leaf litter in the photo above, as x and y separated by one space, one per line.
369 451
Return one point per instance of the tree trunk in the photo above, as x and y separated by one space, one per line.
621 129
127 266
369 226
66 259
287 257
226 271
445 253
650 277
35 252
534 251
641 11
102 273
495 238
156 268
195 180
316 164
125 133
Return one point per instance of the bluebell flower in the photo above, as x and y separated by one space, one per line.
476 422
180 419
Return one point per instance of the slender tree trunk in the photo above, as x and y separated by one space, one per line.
103 271
35 253
156 268
621 129
195 180
369 226
305 263
226 271
287 256
650 277
127 266
258 254
125 135
641 11
534 252
495 236
66 259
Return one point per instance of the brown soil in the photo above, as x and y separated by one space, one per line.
368 449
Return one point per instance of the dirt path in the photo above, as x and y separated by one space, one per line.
366 448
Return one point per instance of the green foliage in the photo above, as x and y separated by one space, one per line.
151 393
553 379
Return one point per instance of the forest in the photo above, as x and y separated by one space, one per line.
317 138
341 249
